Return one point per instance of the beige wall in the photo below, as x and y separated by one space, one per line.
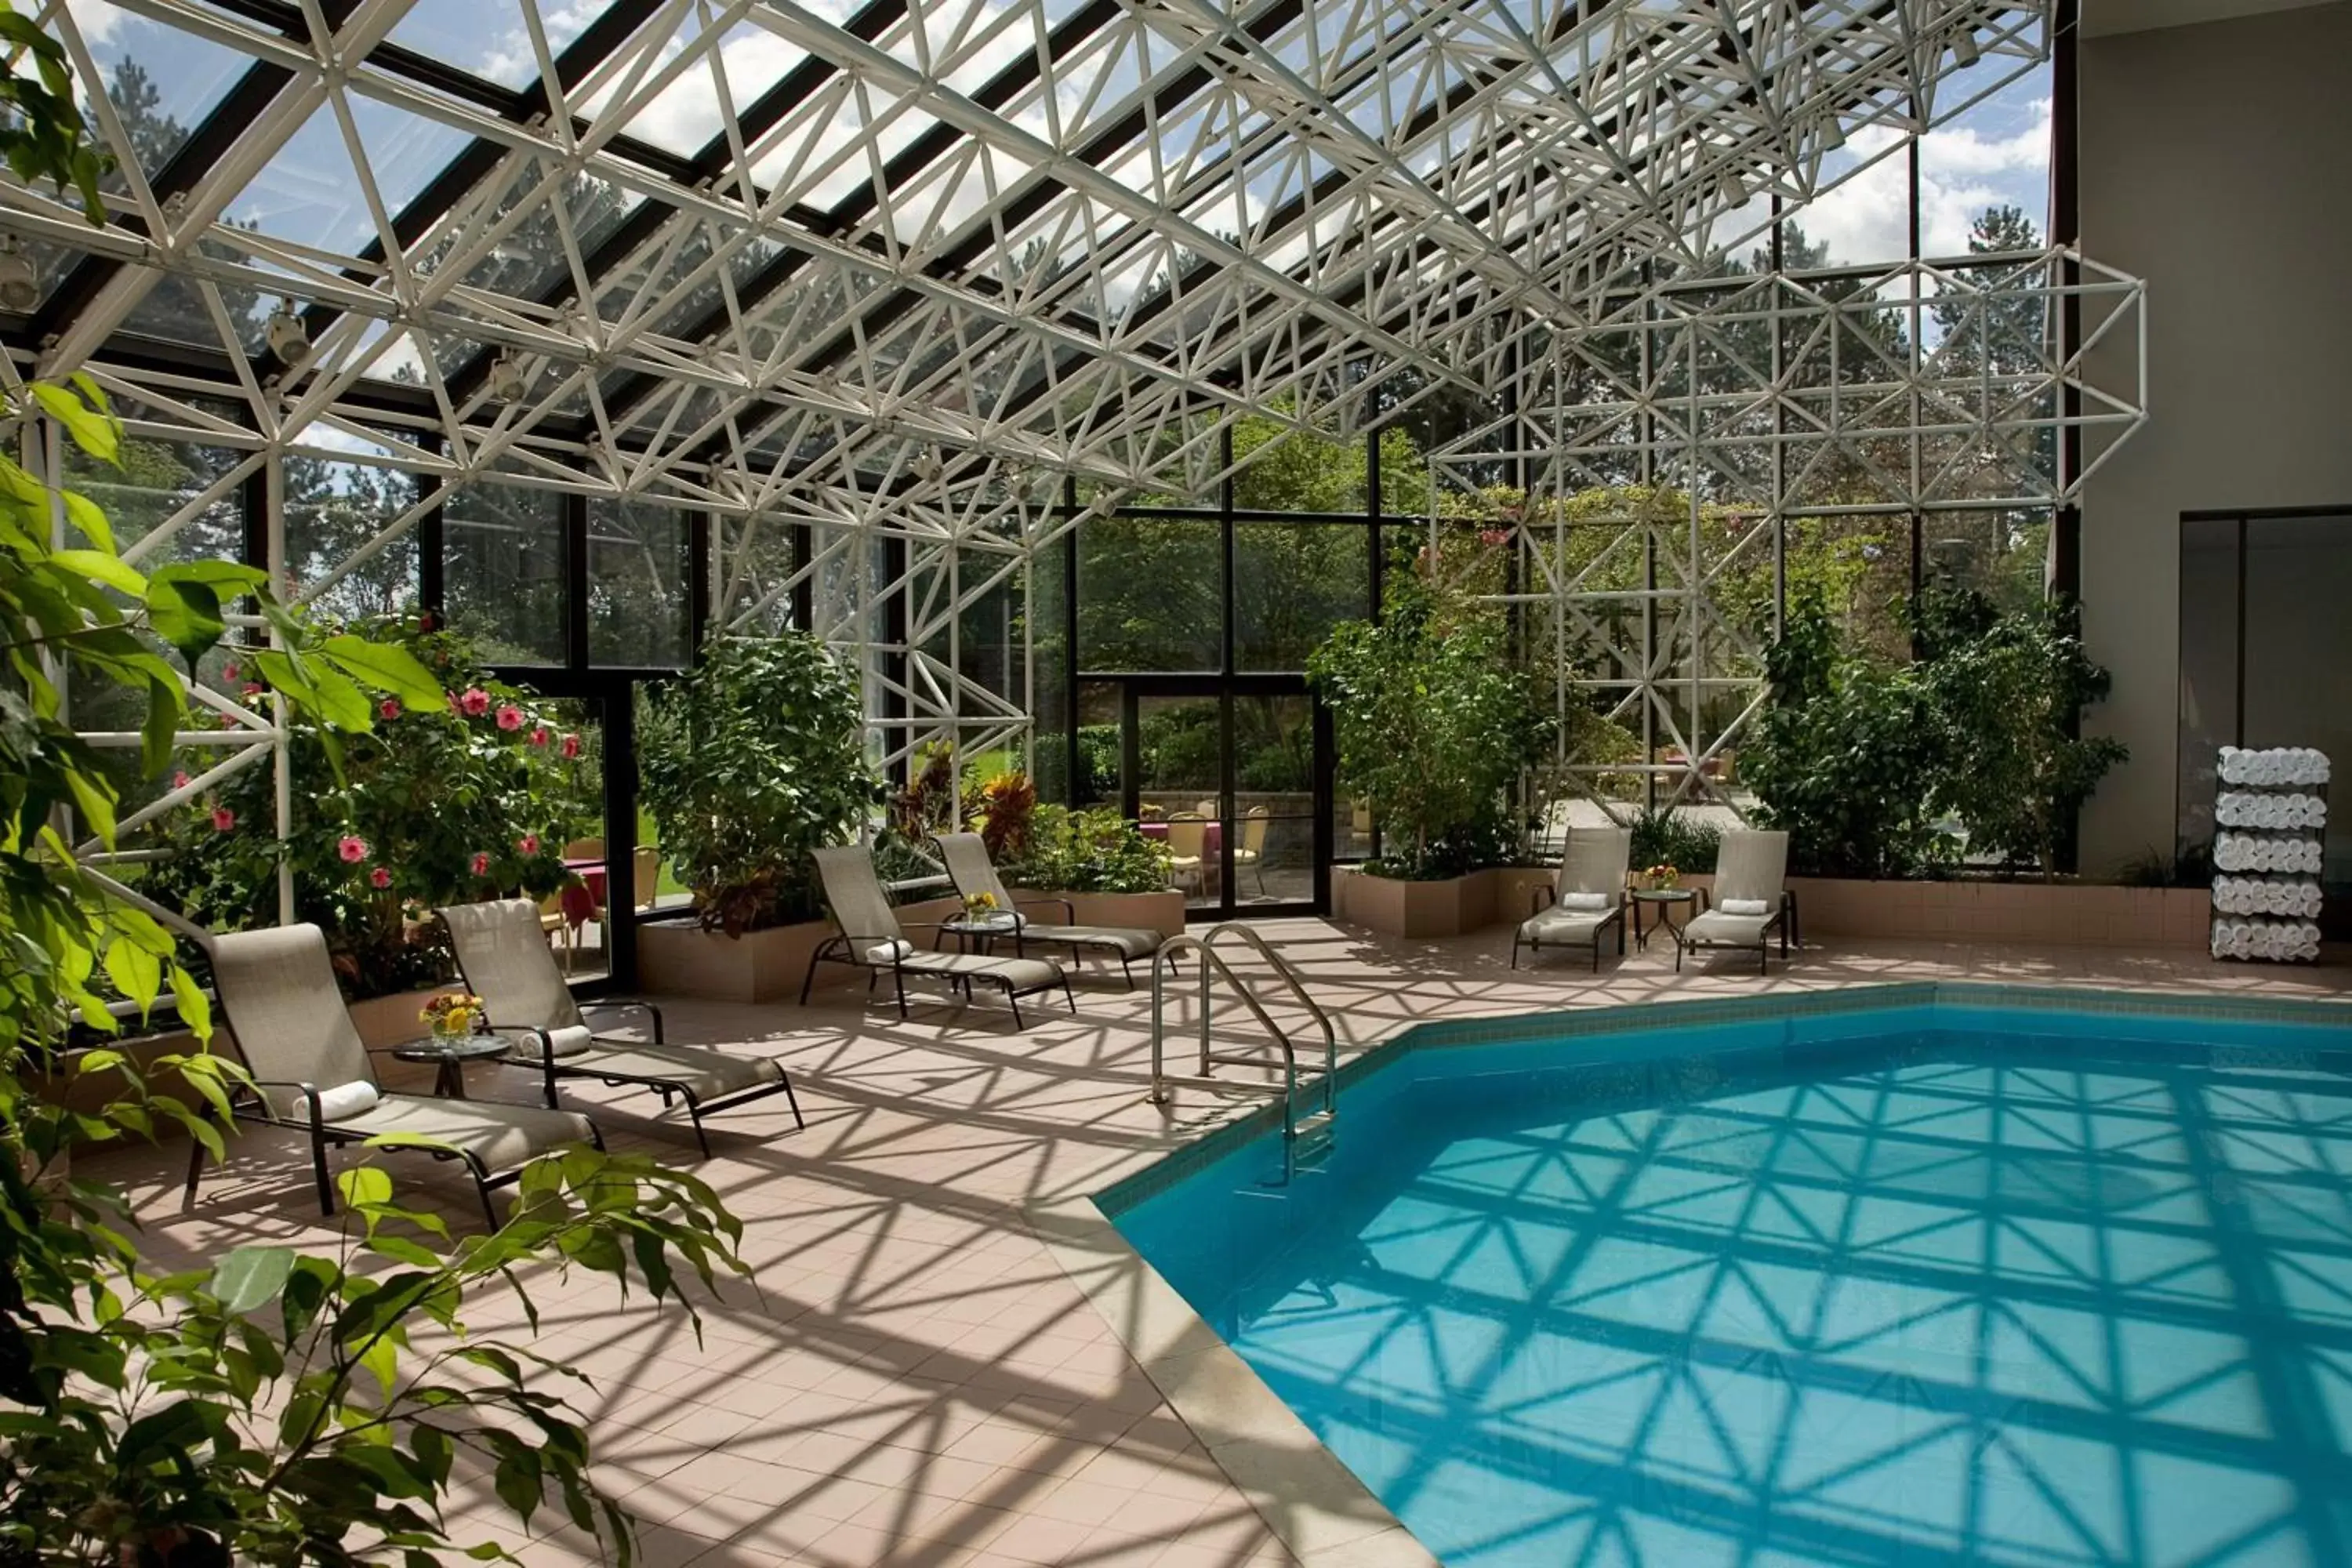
2216 165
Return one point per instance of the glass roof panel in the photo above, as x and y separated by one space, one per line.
488 37
160 82
311 192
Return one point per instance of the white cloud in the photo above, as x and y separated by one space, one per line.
1963 168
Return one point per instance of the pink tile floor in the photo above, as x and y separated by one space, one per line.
915 1380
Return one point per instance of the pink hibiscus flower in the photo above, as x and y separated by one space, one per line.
571 747
388 708
223 819
538 735
379 879
528 844
481 863
180 781
352 848
250 689
228 671
509 716
475 702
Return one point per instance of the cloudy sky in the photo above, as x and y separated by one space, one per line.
1997 152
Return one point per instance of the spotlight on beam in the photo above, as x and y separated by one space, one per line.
1833 135
1964 48
286 337
507 381
20 286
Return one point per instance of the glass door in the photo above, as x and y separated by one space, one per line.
1235 784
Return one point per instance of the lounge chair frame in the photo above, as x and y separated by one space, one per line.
1022 934
554 1068
1781 923
850 948
1599 855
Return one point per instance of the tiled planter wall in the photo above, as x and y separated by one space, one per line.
2065 913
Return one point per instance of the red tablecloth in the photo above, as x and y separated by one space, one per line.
1211 842
585 898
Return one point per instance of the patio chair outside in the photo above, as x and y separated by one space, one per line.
1587 896
312 1075
1188 838
1752 903
505 963
1251 851
872 939
966 856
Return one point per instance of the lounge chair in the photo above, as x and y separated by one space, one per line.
1751 904
1587 896
871 939
312 1075
968 864
506 963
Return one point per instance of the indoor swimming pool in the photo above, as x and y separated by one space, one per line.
1958 1276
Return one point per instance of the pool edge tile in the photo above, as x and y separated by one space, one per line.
1322 1513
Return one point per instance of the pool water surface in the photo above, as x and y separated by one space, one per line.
1934 1285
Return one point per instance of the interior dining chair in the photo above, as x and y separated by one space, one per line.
644 877
1187 838
1251 851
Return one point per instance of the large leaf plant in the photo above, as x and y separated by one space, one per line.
276 1407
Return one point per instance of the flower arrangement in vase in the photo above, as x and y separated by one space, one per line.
454 1015
1662 878
981 909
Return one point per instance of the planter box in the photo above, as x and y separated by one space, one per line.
1162 911
2061 914
681 958
1447 908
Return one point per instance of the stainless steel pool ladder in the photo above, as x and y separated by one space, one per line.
1304 1138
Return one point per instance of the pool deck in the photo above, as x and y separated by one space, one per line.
925 1372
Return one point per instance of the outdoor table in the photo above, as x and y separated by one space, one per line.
1664 900
449 1055
980 931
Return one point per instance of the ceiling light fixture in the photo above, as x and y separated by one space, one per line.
20 286
507 381
1833 134
1964 48
286 335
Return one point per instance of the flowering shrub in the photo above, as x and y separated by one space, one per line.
431 808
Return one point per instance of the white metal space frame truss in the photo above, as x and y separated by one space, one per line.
939 256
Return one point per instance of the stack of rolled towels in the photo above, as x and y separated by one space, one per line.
2298 896
2243 852
2234 809
2273 766
2273 940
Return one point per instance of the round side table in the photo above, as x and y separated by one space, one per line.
449 1056
979 932
1664 900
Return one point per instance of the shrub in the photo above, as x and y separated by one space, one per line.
1434 725
1669 838
2008 689
1846 754
1087 852
468 800
1002 811
750 762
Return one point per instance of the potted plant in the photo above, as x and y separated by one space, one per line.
1101 864
1435 729
750 763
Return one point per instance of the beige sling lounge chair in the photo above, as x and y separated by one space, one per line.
312 1075
507 964
1751 903
871 939
1587 896
968 864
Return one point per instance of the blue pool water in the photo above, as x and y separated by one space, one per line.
1939 1285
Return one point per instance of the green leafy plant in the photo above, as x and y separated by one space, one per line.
2008 690
1434 725
1846 754
276 1407
42 132
1665 835
751 761
1087 852
437 803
